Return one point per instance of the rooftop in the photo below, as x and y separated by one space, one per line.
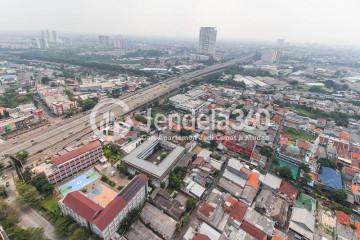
289 190
101 194
136 159
253 231
343 218
83 206
272 181
77 152
306 202
330 178
94 213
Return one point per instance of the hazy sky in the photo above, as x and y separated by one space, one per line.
321 21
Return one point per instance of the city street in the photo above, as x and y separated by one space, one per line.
28 216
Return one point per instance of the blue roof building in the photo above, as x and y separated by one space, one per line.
330 178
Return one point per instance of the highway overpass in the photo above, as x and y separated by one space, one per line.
58 136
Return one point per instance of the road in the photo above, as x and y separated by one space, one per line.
56 137
29 218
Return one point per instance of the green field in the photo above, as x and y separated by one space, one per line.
50 205
298 134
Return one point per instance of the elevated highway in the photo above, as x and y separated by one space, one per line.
60 135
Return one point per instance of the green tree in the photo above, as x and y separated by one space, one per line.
61 226
338 195
42 185
2 166
129 219
176 178
36 233
324 162
9 220
122 167
22 155
304 167
72 227
190 204
305 179
27 174
184 132
27 194
45 80
79 234
213 144
285 172
266 151
88 104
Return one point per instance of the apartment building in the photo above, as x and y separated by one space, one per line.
73 162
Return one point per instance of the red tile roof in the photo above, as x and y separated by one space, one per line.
238 212
276 237
118 203
88 209
289 190
343 218
253 231
303 144
253 180
198 161
355 155
121 141
277 118
206 209
83 206
109 213
200 236
344 135
357 225
77 152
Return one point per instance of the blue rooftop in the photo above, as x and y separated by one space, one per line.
330 178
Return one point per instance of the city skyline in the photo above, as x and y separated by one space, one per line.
320 22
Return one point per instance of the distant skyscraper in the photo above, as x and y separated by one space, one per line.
270 55
54 36
48 36
48 39
207 40
119 42
36 43
104 40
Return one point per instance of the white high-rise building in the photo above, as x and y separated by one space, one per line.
207 40
270 55
54 36
104 40
119 42
48 39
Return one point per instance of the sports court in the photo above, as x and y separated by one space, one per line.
79 182
101 194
